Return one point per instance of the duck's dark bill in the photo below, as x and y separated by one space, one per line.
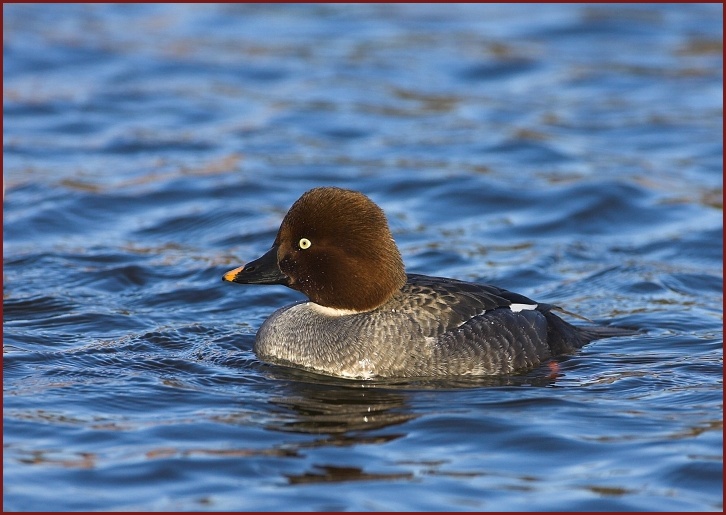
263 270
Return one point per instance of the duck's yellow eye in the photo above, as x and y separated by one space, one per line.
304 243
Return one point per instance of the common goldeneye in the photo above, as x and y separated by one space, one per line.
367 318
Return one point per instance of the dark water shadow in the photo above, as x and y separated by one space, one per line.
348 413
348 409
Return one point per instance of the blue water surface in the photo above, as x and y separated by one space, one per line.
572 153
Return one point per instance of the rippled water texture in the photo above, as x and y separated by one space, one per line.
572 153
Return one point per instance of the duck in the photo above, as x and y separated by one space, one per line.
366 318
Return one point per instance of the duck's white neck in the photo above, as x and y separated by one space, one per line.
333 312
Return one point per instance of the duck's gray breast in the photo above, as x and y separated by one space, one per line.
392 342
358 345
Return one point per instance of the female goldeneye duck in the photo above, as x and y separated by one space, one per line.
367 318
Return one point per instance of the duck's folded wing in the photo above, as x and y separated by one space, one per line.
452 303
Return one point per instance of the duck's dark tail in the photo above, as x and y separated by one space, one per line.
563 337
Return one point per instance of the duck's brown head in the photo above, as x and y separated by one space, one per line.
334 245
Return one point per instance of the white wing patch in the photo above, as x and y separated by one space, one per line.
516 308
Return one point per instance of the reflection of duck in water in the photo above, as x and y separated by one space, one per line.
320 405
366 318
337 409
348 413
